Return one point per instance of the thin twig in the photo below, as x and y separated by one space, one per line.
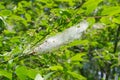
116 39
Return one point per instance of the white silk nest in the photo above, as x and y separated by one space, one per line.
62 38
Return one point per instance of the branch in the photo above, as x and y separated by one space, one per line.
116 39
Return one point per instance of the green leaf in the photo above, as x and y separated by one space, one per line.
32 73
78 42
77 76
2 24
78 57
48 75
6 74
8 33
116 20
28 17
110 11
2 6
21 72
91 5
105 20
24 3
94 43
55 68
5 12
91 21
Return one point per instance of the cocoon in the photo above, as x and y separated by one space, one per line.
62 38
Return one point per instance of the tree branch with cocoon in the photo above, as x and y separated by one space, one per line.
60 39
67 36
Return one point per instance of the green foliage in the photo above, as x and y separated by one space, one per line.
6 74
90 6
24 24
110 11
